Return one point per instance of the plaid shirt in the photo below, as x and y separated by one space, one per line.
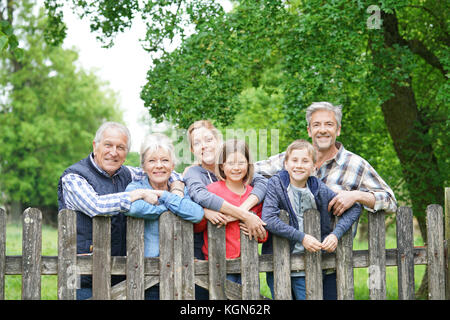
345 171
79 194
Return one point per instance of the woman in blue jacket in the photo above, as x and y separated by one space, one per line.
158 162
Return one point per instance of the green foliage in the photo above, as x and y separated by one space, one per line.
49 112
262 64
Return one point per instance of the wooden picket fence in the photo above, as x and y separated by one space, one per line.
177 271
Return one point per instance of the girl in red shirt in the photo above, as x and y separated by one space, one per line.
234 169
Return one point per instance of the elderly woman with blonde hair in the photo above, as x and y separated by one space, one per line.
158 160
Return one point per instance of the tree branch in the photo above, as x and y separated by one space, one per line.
392 37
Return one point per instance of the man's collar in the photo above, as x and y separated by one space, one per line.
338 157
100 170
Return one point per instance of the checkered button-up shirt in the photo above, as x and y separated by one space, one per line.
345 171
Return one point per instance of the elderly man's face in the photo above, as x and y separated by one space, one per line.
110 153
323 129
158 166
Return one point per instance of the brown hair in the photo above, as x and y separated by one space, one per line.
231 146
202 124
300 144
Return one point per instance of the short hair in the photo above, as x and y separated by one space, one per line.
153 142
203 124
315 106
229 147
300 144
112 125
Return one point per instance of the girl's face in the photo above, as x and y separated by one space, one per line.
204 145
235 167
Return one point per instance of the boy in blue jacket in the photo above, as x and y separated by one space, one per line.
295 190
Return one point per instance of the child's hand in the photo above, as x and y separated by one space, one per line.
215 217
246 232
311 244
330 243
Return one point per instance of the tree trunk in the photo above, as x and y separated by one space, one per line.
409 135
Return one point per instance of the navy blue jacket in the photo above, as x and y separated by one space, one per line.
277 198
102 184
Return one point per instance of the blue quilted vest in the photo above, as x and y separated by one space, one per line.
102 184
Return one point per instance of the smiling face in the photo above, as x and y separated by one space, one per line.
235 167
323 129
110 153
158 166
203 145
300 166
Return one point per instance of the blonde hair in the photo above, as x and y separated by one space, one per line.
300 144
203 124
229 147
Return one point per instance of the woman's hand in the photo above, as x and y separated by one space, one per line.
215 217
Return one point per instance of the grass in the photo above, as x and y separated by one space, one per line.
13 283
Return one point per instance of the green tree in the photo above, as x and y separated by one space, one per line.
49 112
386 64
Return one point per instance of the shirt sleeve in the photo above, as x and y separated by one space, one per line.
384 196
184 207
259 184
198 191
270 166
80 196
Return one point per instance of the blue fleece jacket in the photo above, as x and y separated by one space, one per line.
184 207
277 199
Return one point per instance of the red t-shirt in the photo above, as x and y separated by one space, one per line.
232 229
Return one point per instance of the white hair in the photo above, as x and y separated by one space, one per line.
112 125
323 105
153 142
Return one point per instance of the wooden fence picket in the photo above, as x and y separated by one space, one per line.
176 271
101 258
31 254
435 253
377 255
405 253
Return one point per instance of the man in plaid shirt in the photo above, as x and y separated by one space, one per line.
349 175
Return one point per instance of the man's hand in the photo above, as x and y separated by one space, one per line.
255 226
330 243
311 244
342 201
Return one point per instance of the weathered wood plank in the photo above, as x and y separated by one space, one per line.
377 256
313 260
344 267
101 258
177 259
282 264
31 254
151 265
216 262
447 243
405 256
166 257
188 275
2 252
436 267
68 277
249 268
135 259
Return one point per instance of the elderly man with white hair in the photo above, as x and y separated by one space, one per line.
96 186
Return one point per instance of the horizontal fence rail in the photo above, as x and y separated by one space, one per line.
177 272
